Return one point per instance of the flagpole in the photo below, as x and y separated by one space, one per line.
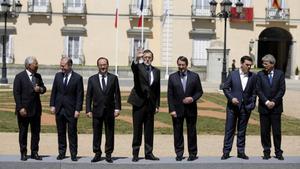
117 37
116 51
168 31
142 34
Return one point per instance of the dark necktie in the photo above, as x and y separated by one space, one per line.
270 78
65 82
33 79
148 68
183 80
103 83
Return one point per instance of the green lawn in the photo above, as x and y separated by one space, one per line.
205 125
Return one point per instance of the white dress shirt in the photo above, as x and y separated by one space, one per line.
244 79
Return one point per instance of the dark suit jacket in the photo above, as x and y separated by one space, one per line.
142 92
70 98
176 93
107 100
232 88
24 94
274 92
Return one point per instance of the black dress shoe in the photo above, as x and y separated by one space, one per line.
266 156
74 158
108 158
135 159
179 158
23 157
96 158
151 157
192 158
242 156
36 156
225 156
60 157
279 157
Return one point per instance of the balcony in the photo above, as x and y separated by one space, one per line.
200 12
134 11
74 9
33 8
273 14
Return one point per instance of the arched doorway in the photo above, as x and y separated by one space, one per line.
276 41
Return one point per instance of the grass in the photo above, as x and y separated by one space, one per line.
205 125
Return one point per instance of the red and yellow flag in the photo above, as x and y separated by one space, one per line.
276 4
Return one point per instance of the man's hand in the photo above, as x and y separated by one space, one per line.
139 55
235 101
37 89
23 112
270 104
52 109
156 110
117 113
76 115
89 114
173 114
188 100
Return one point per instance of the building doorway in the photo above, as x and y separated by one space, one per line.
278 42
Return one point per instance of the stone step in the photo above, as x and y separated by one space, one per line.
50 162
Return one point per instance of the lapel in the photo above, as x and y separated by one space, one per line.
249 81
267 77
29 82
98 85
145 73
109 82
178 80
188 81
239 80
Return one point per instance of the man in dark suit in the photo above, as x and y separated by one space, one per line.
184 89
66 102
270 90
144 98
28 85
103 103
239 89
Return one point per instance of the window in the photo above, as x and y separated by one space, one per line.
73 49
9 47
199 52
201 7
74 3
40 5
74 6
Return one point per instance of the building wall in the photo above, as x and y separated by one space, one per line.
42 37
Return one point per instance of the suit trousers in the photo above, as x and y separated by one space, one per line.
143 116
191 135
109 123
35 126
62 122
235 118
266 122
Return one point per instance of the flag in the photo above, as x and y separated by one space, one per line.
276 4
141 14
117 13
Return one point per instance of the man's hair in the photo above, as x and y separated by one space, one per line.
269 58
246 58
184 59
69 60
102 58
148 51
29 60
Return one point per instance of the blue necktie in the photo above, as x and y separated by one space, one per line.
103 83
65 82
270 78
